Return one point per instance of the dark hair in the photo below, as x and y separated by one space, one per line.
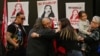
80 13
38 24
51 14
19 13
67 31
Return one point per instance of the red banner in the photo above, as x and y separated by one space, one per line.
4 24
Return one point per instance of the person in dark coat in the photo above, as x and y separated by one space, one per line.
68 39
41 44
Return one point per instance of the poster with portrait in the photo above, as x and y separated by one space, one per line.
72 10
48 9
14 8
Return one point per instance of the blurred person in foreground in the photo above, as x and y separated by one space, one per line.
68 38
40 38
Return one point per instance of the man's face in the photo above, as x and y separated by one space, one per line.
21 19
47 23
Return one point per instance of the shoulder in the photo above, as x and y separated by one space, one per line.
11 28
80 21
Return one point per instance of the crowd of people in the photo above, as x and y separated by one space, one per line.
45 40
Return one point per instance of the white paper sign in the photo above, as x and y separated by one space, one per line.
72 10
48 9
14 8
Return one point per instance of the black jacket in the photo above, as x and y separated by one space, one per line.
40 46
68 44
93 39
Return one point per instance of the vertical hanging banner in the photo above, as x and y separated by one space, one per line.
72 10
48 9
14 8
4 24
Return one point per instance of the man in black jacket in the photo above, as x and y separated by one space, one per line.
41 45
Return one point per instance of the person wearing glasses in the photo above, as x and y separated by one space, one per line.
93 40
16 36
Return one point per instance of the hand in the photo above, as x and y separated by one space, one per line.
80 38
58 29
15 40
16 45
33 35
89 33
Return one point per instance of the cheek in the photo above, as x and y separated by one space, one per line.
85 17
92 25
22 21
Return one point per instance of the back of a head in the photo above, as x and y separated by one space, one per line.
38 24
64 22
67 31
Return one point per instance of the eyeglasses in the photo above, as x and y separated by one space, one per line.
94 22
22 18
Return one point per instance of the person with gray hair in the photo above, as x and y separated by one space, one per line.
97 19
40 38
93 40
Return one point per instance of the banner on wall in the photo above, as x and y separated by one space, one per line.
14 8
48 9
4 24
72 10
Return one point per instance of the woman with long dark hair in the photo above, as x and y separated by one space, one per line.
68 38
